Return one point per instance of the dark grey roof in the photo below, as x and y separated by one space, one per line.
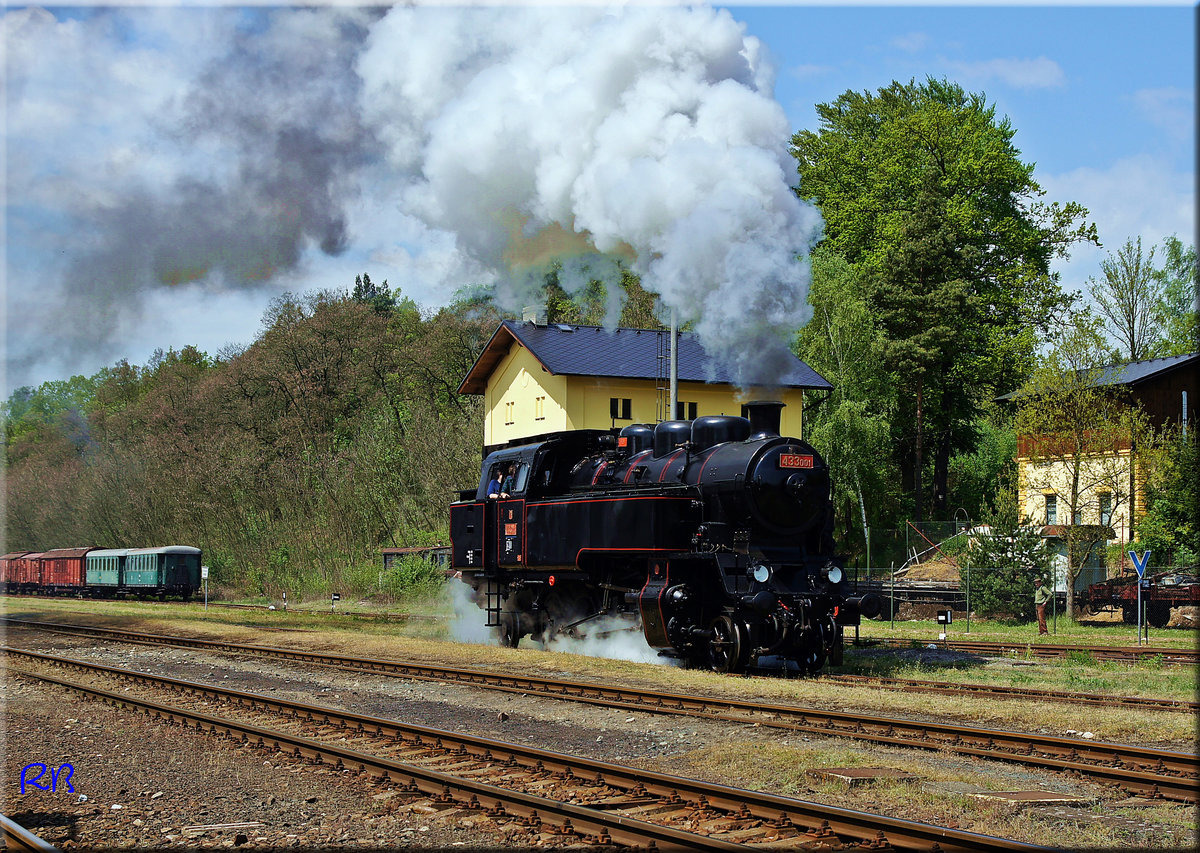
572 350
1130 373
1139 371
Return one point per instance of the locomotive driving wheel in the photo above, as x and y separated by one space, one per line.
510 628
727 648
515 621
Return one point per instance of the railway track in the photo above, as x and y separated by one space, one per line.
1188 657
592 801
1142 771
950 688
17 837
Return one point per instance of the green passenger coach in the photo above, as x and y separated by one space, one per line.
104 568
170 570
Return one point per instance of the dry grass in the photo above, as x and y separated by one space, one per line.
776 762
424 642
781 768
1090 632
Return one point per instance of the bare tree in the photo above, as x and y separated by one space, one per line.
1129 296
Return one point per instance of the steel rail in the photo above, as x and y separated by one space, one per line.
1141 770
1180 656
998 692
17 837
565 818
817 822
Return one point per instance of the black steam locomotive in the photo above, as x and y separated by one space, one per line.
716 533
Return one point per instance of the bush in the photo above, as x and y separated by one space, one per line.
1009 560
412 577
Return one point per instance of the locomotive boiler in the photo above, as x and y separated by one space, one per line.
715 534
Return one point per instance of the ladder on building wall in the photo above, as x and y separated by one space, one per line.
662 387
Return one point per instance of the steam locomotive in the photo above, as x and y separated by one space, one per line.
714 533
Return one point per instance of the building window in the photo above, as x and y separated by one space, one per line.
685 411
1106 510
621 408
539 408
1052 509
510 413
1077 517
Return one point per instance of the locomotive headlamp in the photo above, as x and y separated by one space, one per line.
834 574
760 573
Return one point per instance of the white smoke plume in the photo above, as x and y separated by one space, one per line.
611 637
470 622
234 149
649 133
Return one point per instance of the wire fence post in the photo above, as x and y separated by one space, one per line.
968 596
892 595
1054 599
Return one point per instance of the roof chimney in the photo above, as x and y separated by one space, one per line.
533 314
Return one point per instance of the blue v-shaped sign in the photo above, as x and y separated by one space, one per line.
1140 565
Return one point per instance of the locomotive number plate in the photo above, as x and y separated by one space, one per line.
794 460
510 530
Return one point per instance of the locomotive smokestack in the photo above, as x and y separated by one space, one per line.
764 417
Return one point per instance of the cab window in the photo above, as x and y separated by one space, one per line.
520 481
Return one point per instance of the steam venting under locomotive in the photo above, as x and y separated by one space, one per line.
715 533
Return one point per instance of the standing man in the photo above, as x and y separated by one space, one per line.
1041 597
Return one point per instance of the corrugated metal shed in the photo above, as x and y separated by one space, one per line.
570 350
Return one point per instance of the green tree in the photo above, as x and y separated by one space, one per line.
378 296
980 477
594 304
1179 308
929 318
1129 296
923 190
1005 558
1171 525
851 427
1080 436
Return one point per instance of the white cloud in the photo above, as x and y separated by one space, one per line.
809 72
1170 108
1135 197
1040 73
911 42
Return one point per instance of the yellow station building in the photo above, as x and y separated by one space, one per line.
543 378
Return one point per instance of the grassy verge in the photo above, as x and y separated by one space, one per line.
1064 632
428 641
779 761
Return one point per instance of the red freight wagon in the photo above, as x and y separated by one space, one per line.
28 570
8 568
64 567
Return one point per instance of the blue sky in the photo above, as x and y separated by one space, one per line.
139 195
1102 98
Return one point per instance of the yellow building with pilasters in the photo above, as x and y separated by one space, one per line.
537 379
